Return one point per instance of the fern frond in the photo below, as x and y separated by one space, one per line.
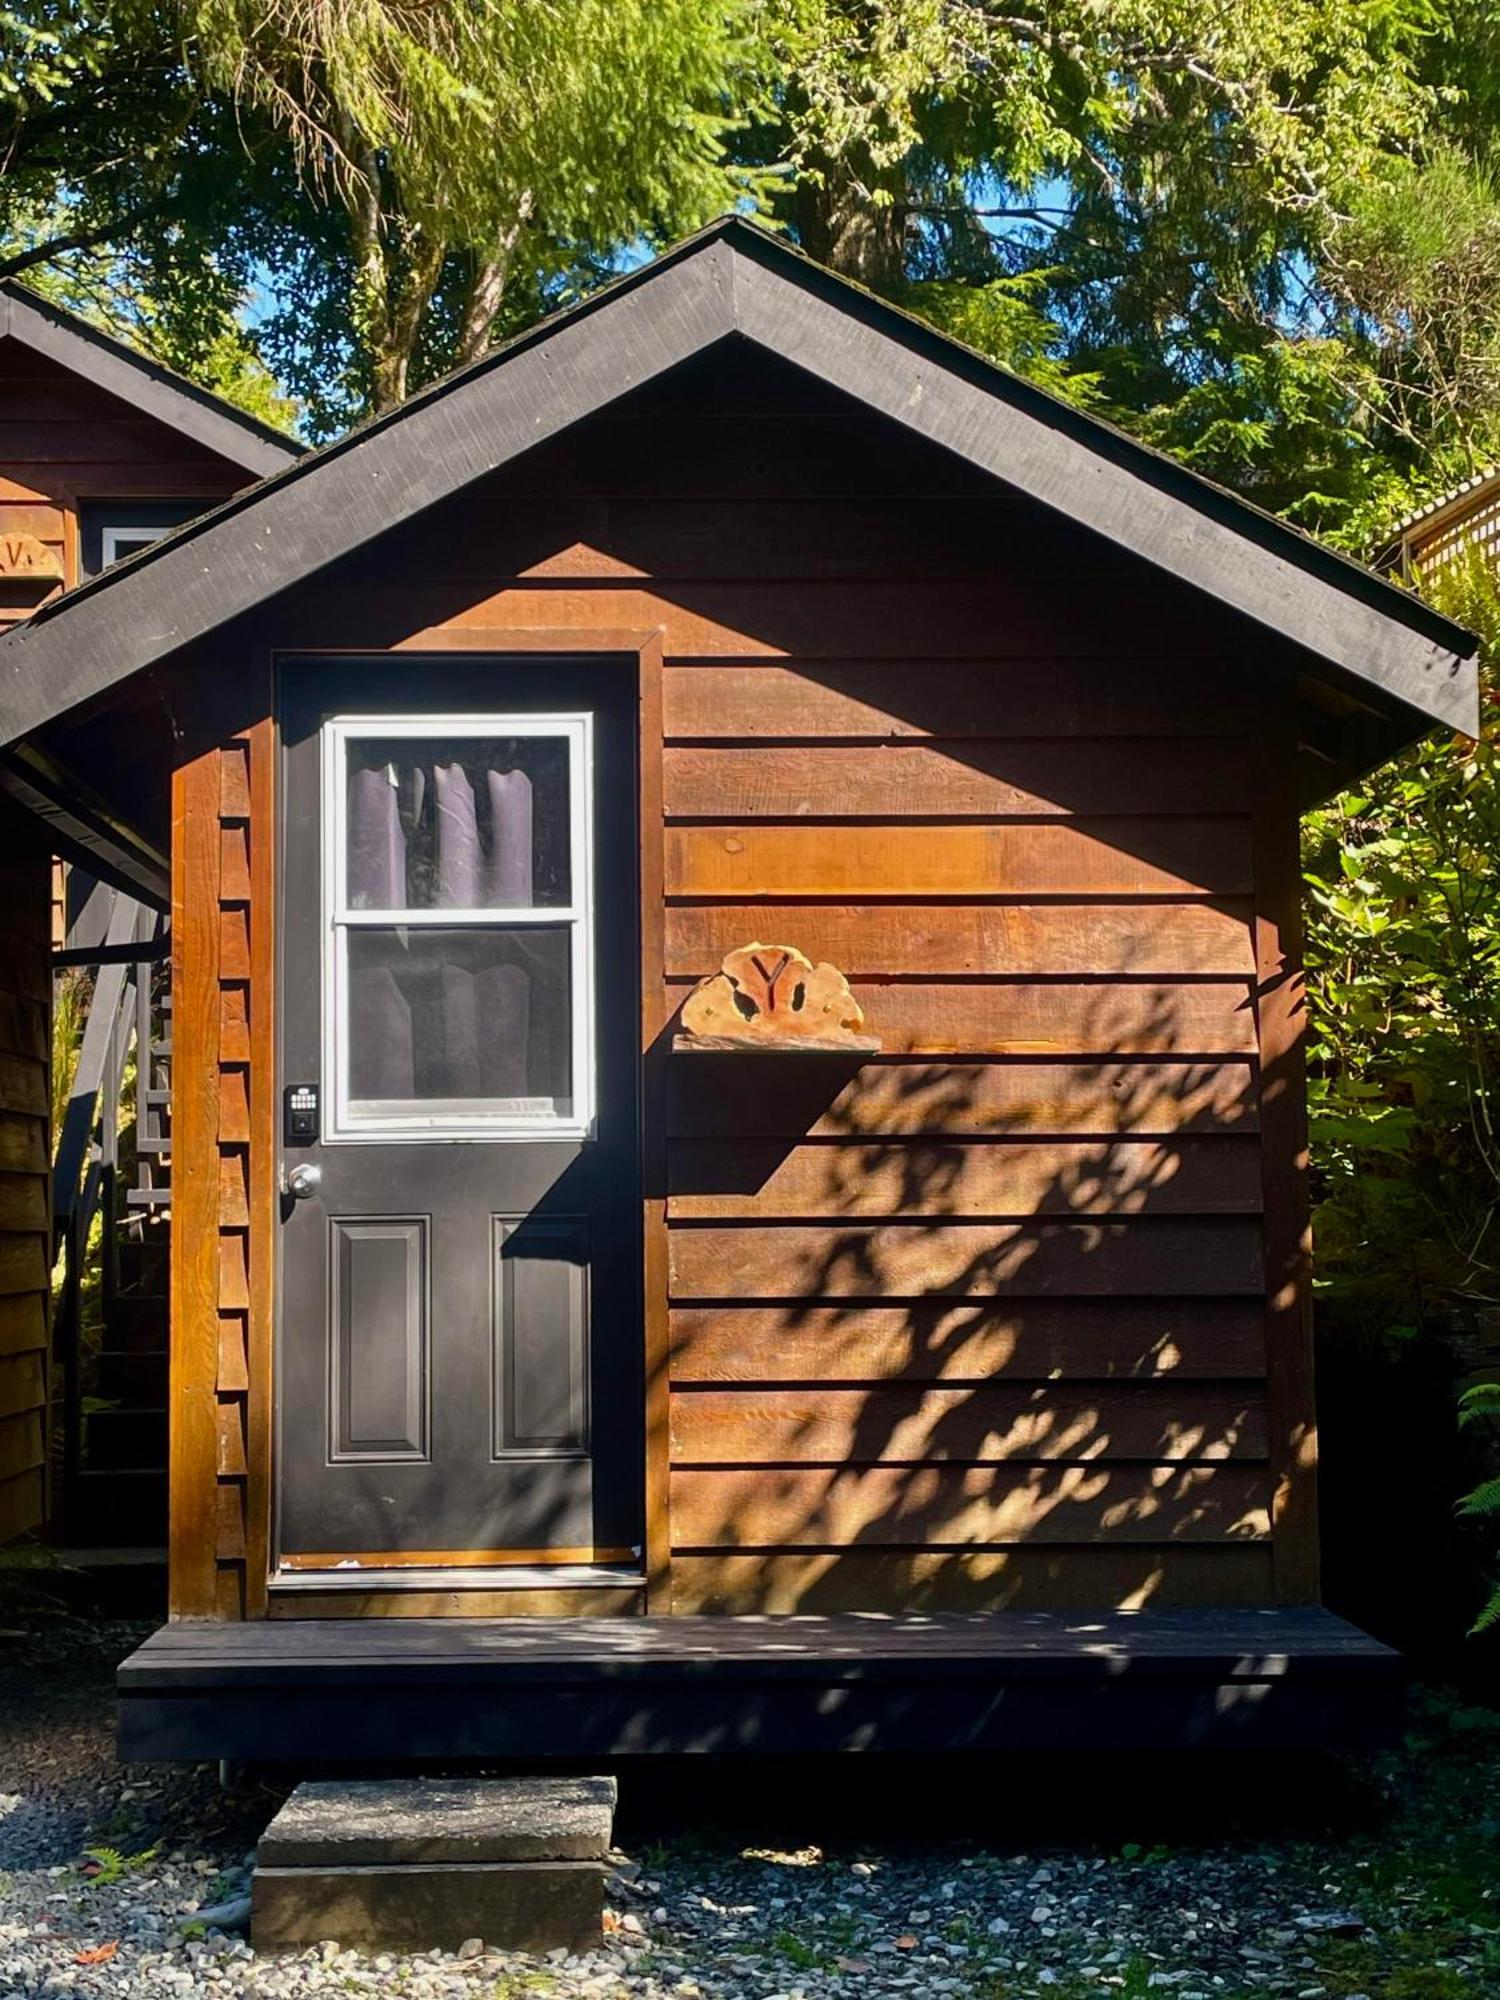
1483 1400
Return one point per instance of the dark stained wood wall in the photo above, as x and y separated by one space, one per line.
64 441
25 1178
983 1320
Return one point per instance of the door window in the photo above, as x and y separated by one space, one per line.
457 886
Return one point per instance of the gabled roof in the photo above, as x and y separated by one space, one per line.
734 282
156 391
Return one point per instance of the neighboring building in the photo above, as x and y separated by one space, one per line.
735 607
1467 518
101 451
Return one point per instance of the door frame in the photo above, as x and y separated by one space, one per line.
640 652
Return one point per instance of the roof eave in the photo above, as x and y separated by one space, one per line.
1395 652
208 420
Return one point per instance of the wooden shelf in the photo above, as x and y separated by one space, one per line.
768 1045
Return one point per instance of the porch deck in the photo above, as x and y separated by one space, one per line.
323 1690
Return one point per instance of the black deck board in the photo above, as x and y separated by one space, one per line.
422 1689
1234 1644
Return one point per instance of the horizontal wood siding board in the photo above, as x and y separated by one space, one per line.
941 1176
886 939
919 1424
25 1173
23 1027
1146 1257
1075 1340
1042 1578
23 1383
955 779
23 1504
176 416
956 1507
1153 857
583 528
1062 460
1056 1019
872 701
901 1096
23 1322
745 620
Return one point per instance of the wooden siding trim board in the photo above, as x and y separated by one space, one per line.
263 1202
196 1008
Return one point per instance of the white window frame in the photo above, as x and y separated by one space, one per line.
345 1126
136 538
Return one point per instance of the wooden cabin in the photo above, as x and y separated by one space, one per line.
101 451
549 1376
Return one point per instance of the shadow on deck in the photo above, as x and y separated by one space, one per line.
417 1689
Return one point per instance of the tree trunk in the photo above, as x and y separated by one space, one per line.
486 292
841 224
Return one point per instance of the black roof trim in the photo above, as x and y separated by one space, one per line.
734 281
258 448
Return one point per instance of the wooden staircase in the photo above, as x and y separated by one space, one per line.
113 1167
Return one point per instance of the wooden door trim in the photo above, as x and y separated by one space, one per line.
264 744
641 650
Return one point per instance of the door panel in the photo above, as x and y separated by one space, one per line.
459 1321
377 1321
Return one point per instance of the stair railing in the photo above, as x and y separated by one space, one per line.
86 1161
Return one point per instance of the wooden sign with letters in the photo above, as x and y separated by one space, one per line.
26 557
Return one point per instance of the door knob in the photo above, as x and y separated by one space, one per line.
303 1180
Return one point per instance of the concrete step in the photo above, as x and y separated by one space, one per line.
415 1864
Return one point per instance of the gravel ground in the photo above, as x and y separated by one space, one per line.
1325 1883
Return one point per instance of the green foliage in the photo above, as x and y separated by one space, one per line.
508 133
1403 956
111 1866
1006 319
1481 1404
1130 204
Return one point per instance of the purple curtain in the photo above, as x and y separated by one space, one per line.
433 1014
377 841
381 1043
455 884
508 874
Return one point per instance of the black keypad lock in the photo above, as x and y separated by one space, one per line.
300 1114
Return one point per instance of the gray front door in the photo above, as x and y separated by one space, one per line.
459 1366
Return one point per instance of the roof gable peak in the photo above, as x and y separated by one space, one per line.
735 279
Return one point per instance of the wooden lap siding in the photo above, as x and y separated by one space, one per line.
25 1176
981 1321
223 1131
63 441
